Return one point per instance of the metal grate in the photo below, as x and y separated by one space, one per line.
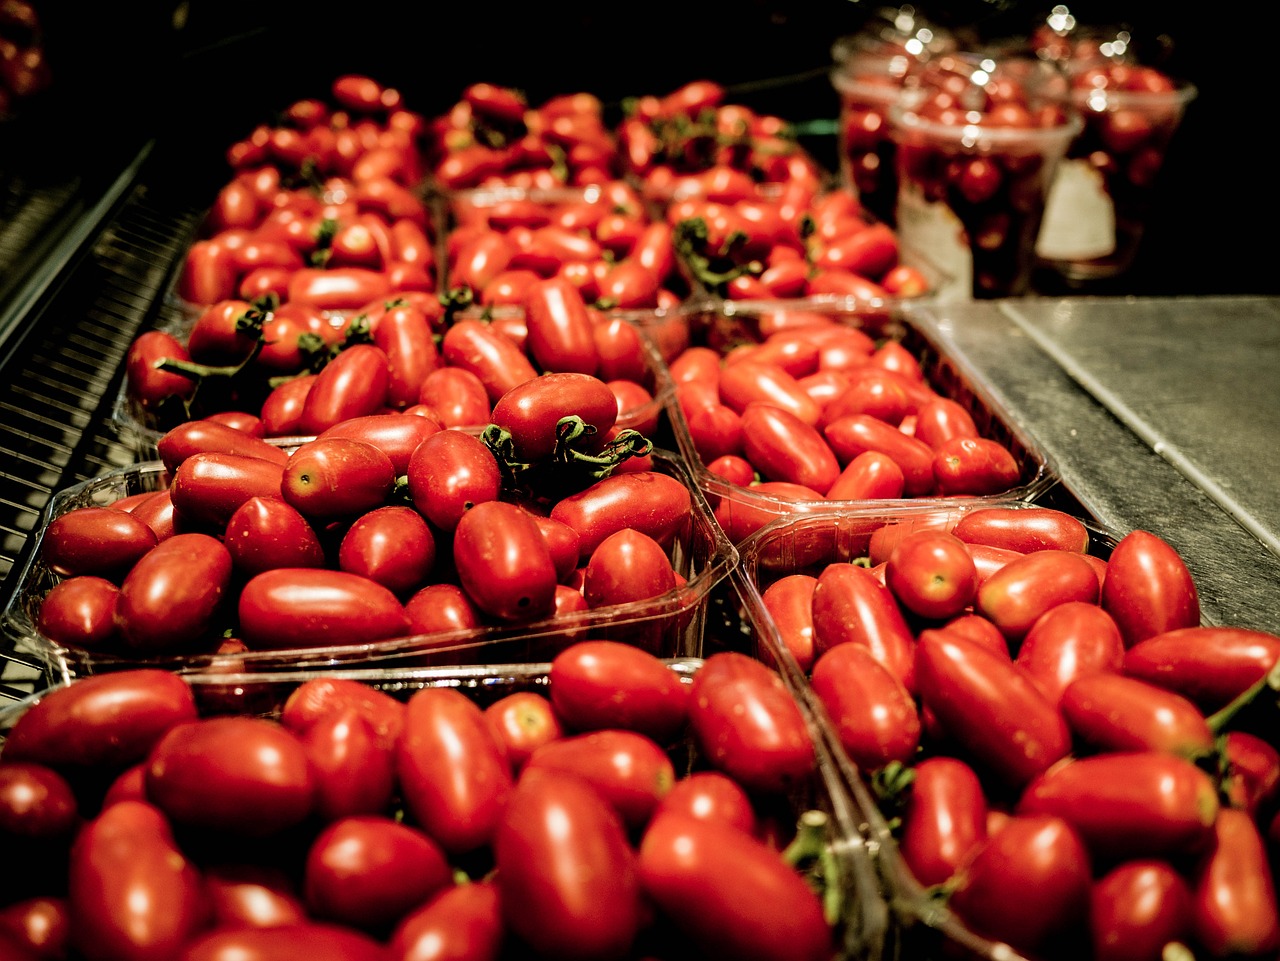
58 387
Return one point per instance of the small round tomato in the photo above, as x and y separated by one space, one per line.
80 612
523 721
932 574
462 921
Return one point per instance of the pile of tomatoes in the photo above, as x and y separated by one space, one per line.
1064 756
608 807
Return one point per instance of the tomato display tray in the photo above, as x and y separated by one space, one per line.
860 927
923 925
725 324
669 626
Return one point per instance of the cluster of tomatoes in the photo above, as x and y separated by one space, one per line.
785 408
386 527
610 807
1065 756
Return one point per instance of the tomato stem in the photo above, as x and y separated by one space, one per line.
1225 715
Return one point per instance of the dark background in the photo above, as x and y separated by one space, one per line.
201 74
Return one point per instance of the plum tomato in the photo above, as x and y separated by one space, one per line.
503 562
932 574
1148 588
101 541
596 684
449 473
337 477
523 721
301 607
174 594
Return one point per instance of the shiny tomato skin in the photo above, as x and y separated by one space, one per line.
871 475
208 488
1234 895
531 410
174 594
36 803
305 941
729 893
1210 665
748 381
1110 712
396 435
282 409
405 336
1252 778
976 466
561 335
449 473
1024 529
392 546
932 574
789 602
1137 908
1069 641
460 923
102 721
299 607
989 705
783 447
1016 595
457 396
497 361
566 872
132 893
711 796
252 895
318 698
522 722
874 716
503 562
1027 884
337 477
369 871
41 924
91 540
355 383
245 775
627 567
944 820
854 434
80 612
147 383
453 775
354 771
195 436
596 684
850 605
748 725
337 288
1129 803
941 419
265 533
631 771
442 608
651 502
1148 588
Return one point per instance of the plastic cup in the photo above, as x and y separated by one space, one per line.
1105 187
978 141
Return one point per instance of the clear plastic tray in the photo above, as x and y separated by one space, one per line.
923 926
743 510
670 625
860 928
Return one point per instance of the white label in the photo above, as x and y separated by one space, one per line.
1079 217
933 229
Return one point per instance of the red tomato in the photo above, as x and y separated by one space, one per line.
225 333
710 796
566 872
782 447
395 435
355 383
298 607
531 411
449 473
627 566
1110 712
41 924
353 770
369 871
1024 529
457 396
252 895
460 923
1069 641
1136 909
789 602
321 697
747 381
1148 589
1027 885
80 612
453 776
101 541
392 546
282 409
871 475
651 502
1129 803
944 820
1210 665
748 724
266 533
405 337
197 436
523 721
497 361
609 684
873 714
975 466
503 562
36 804
990 706
442 608
131 890
729 893
851 606
243 775
174 594
305 941
1234 895
337 288
931 573
337 477
208 488
561 331
1016 595
854 434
